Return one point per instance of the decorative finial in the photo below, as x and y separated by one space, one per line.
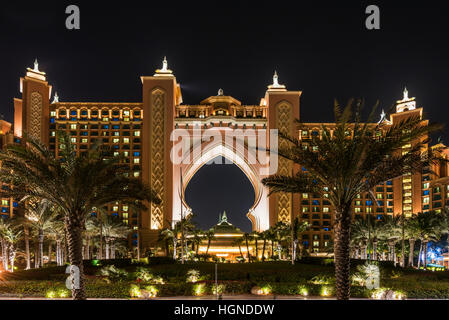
382 116
405 94
276 84
224 218
36 65
220 92
55 98
164 71
164 64
275 79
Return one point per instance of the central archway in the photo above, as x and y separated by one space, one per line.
258 213
220 186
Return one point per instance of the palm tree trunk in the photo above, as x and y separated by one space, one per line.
41 249
240 249
208 246
175 242
341 252
100 252
36 254
112 249
375 249
26 232
12 257
420 253
411 253
263 249
75 245
107 248
4 254
247 250
257 249
50 249
58 252
425 254
87 255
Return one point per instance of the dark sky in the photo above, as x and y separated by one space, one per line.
319 48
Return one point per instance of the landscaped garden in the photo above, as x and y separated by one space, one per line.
160 277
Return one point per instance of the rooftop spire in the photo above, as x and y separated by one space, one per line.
276 85
36 65
405 94
164 71
220 92
55 98
223 218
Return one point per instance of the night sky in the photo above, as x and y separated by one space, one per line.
322 49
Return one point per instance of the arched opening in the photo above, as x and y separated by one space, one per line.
220 186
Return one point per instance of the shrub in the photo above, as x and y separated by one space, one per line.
112 273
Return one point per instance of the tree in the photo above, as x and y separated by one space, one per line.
75 184
391 231
113 229
350 158
41 216
247 238
298 228
430 227
210 235
10 236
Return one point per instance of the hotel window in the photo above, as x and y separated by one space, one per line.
305 133
105 119
115 140
53 134
52 113
305 195
436 190
125 215
426 185
137 133
126 113
5 203
116 133
406 146
426 200
325 209
125 140
406 180
73 140
357 210
369 210
115 208
136 160
316 243
358 196
73 126
116 154
305 209
84 140
125 208
126 153
379 196
136 174
326 195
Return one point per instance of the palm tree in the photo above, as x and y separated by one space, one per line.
113 229
4 227
350 158
412 233
73 184
264 235
430 227
391 230
166 236
247 238
360 236
12 235
298 227
41 217
210 235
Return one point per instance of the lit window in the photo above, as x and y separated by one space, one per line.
126 153
84 140
73 126
369 210
426 200
325 209
115 140
125 215
379 196
426 185
116 154
52 113
105 119
357 210
116 133
126 113
136 174
73 140
125 140
136 160
125 208
137 133
305 195
5 203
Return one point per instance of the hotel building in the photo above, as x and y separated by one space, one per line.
141 132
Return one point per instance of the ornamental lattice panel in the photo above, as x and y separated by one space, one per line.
157 155
35 116
284 123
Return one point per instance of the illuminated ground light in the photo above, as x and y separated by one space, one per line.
135 291
387 294
51 294
303 291
198 289
326 291
261 291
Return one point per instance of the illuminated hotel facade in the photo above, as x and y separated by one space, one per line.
141 133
